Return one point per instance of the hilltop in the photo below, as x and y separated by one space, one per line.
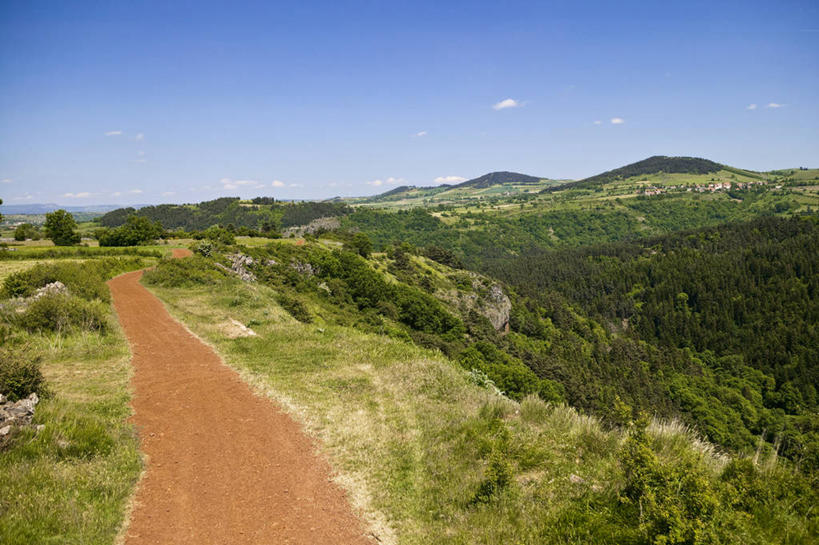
652 170
498 178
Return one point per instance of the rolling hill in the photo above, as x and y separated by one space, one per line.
656 167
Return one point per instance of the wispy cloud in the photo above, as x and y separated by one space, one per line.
774 105
617 120
507 103
419 134
449 179
26 197
295 185
116 193
229 183
139 137
389 181
80 195
168 193
598 122
113 133
135 191
278 183
751 107
6 181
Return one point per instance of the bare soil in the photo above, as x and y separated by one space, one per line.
223 464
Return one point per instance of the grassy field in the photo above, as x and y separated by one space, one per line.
428 455
70 482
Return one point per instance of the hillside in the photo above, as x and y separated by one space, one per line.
263 214
694 167
498 178
424 435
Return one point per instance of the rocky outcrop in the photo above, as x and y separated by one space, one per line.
54 288
486 299
15 415
239 264
497 308
315 226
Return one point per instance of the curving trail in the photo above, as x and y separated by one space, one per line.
224 465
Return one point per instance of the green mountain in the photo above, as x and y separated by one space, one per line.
498 178
658 164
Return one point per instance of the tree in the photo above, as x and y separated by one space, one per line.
26 230
361 245
59 227
136 230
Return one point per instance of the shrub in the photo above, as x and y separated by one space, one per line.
176 273
19 378
62 313
136 230
86 279
295 307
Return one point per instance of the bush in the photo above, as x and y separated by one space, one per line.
177 273
20 378
86 280
295 307
61 313
136 230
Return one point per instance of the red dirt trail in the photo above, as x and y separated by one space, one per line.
225 466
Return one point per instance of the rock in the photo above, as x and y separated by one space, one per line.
576 479
5 430
39 427
54 288
2 399
305 269
238 266
498 309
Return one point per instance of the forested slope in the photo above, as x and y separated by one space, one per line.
736 306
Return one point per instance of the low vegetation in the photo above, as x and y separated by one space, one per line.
67 477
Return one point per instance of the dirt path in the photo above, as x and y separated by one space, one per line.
224 465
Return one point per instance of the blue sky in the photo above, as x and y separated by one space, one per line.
142 102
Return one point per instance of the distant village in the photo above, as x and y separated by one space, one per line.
705 188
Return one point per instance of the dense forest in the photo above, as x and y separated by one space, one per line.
486 233
724 317
262 214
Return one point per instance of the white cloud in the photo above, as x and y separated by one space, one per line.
26 197
140 153
296 185
751 107
388 181
80 195
598 122
774 105
229 183
278 183
116 193
142 160
168 193
617 120
113 133
6 181
449 179
507 103
139 137
135 191
421 133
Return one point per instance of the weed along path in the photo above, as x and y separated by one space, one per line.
224 465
